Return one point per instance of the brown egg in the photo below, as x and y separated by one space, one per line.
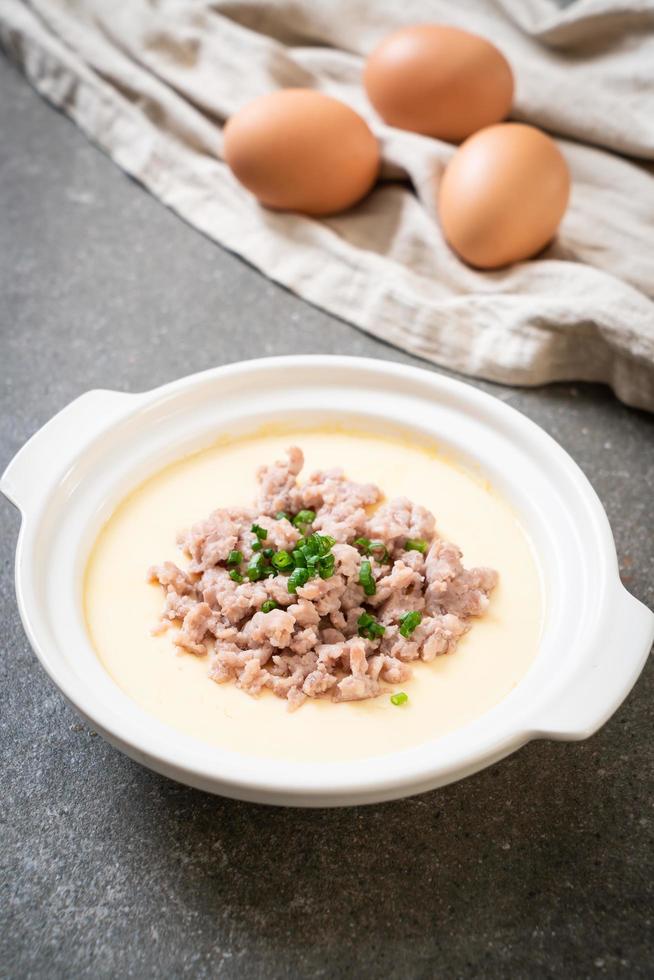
299 150
439 81
503 195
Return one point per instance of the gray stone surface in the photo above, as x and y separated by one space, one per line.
539 867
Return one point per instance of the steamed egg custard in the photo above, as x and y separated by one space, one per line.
364 710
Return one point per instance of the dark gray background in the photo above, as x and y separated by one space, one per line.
539 867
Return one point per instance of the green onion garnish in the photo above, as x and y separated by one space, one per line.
399 698
282 561
317 544
268 606
304 517
380 551
311 556
234 558
298 578
408 623
415 544
281 515
258 569
375 548
299 559
259 531
326 566
313 553
366 579
236 576
309 546
369 628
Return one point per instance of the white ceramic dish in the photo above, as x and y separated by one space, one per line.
71 474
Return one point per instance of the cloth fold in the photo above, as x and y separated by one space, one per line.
152 83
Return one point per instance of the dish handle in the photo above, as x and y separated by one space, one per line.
54 445
600 689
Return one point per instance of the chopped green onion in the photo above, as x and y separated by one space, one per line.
268 552
255 544
415 544
282 561
314 553
236 576
297 579
368 627
326 566
369 547
304 517
259 531
234 558
408 623
366 579
309 546
254 570
379 546
257 568
321 542
299 559
281 515
399 698
268 606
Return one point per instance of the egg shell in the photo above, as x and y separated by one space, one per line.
438 80
300 150
503 195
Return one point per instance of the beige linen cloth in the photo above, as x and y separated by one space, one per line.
152 82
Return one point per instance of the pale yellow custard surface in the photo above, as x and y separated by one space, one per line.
121 606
